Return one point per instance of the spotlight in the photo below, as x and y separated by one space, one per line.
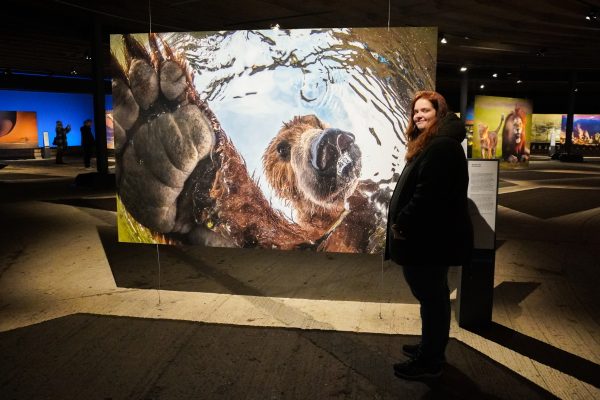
443 39
592 15
463 69
482 86
73 72
519 81
494 75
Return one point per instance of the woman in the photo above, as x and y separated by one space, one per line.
428 225
87 142
60 140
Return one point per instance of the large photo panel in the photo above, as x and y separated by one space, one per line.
502 130
279 139
546 128
18 130
586 129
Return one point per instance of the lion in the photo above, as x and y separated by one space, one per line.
489 140
514 143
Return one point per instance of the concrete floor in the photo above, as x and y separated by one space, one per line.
59 256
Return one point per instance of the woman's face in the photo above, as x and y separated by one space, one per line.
424 114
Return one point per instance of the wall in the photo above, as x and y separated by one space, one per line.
70 108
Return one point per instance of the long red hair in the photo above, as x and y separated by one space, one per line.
417 140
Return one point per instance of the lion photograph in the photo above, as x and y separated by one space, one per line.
509 142
488 140
514 139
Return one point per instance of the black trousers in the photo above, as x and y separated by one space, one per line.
429 284
59 155
88 152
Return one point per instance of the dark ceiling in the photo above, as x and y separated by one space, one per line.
539 42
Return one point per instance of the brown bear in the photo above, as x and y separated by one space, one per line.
316 169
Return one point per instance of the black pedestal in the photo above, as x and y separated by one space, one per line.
476 290
46 152
570 157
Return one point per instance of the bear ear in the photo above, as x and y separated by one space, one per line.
314 121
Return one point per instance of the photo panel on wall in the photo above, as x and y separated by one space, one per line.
278 139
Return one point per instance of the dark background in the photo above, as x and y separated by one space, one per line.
540 42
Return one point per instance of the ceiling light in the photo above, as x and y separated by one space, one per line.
463 69
481 86
73 72
494 75
443 39
593 14
519 81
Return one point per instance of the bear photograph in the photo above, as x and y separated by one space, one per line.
278 139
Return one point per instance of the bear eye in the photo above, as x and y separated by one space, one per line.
283 148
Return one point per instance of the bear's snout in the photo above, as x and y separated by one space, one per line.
329 146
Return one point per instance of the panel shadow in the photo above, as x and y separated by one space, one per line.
91 356
536 202
256 272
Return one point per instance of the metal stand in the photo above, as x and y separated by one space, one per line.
46 152
475 293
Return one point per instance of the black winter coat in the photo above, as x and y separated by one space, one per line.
60 140
87 137
429 204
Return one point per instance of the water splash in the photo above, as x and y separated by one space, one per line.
358 80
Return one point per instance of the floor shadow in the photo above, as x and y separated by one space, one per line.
500 243
16 176
98 203
47 189
534 175
514 292
544 353
255 272
93 356
454 384
564 201
503 184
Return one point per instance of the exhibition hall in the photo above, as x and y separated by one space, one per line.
278 200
